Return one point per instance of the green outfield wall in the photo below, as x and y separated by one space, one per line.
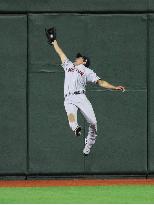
35 138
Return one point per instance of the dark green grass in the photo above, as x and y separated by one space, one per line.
83 194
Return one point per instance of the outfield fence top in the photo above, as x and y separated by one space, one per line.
22 6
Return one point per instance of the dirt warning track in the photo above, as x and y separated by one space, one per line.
75 182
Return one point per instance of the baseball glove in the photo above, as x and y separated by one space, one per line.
51 34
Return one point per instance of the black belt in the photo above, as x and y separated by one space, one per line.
75 93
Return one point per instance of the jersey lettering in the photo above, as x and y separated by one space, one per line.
73 69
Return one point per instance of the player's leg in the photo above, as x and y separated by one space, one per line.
71 111
88 112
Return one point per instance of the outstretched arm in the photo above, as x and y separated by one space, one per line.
59 51
107 85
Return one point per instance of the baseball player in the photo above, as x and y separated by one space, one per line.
77 75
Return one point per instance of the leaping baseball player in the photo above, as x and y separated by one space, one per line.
77 75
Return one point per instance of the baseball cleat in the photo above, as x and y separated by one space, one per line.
86 150
77 131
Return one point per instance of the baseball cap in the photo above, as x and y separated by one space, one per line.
85 58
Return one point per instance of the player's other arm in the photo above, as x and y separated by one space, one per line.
59 51
104 84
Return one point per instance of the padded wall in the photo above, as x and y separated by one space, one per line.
113 33
151 96
151 5
118 52
69 5
116 45
13 65
53 146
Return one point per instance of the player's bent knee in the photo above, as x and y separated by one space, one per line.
71 117
72 121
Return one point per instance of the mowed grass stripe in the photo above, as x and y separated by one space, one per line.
87 194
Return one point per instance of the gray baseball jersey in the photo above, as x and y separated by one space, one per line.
77 76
